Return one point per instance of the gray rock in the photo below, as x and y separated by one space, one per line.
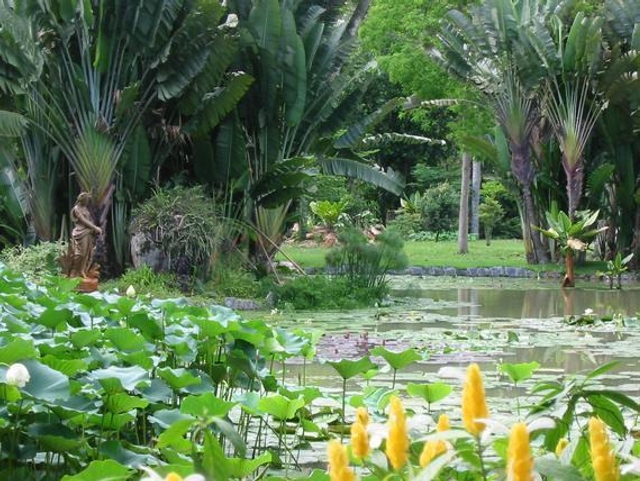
144 251
497 271
238 304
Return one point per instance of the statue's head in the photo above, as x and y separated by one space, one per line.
83 198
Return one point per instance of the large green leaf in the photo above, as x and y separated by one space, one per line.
281 407
17 350
108 470
347 368
388 180
12 124
217 104
354 135
206 406
397 360
46 384
55 437
115 379
266 23
294 70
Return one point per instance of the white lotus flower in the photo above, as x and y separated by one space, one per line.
231 22
131 291
588 311
153 476
17 375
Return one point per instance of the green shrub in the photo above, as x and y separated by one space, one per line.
230 277
439 209
406 223
365 263
34 261
146 281
186 225
325 292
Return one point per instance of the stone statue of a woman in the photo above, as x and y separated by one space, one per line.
82 236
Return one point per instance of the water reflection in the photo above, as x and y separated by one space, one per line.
486 323
540 303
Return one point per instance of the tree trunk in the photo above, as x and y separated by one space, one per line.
357 17
463 215
569 277
476 181
635 243
575 178
540 254
487 234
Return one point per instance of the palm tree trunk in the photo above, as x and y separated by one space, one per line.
463 214
476 181
540 254
635 243
575 178
569 277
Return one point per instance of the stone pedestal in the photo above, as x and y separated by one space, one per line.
88 284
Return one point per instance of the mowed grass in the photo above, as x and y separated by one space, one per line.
501 253
507 253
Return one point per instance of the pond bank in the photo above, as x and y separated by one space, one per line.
499 271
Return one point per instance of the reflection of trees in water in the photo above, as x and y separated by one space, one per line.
544 303
561 358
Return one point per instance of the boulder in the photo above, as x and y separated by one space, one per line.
145 251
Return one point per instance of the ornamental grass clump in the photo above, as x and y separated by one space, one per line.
397 449
474 402
519 460
603 459
339 469
434 448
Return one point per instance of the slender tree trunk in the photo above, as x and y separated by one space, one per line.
569 277
575 178
463 215
523 171
539 251
476 181
358 16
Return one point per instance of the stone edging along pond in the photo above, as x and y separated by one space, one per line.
512 272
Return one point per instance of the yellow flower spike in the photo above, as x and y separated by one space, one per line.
474 402
519 460
359 440
362 416
398 439
433 449
339 469
443 423
602 457
561 446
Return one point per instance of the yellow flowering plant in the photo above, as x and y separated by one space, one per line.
473 446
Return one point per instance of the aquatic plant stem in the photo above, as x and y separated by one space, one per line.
344 406
483 468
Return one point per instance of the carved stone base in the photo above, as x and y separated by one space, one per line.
88 284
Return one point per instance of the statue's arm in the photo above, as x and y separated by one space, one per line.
85 221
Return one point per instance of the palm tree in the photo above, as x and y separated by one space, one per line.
305 89
617 131
489 48
572 235
104 67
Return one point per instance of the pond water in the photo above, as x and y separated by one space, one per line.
455 321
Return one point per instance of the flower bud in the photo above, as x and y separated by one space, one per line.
17 375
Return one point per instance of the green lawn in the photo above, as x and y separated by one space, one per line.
506 253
